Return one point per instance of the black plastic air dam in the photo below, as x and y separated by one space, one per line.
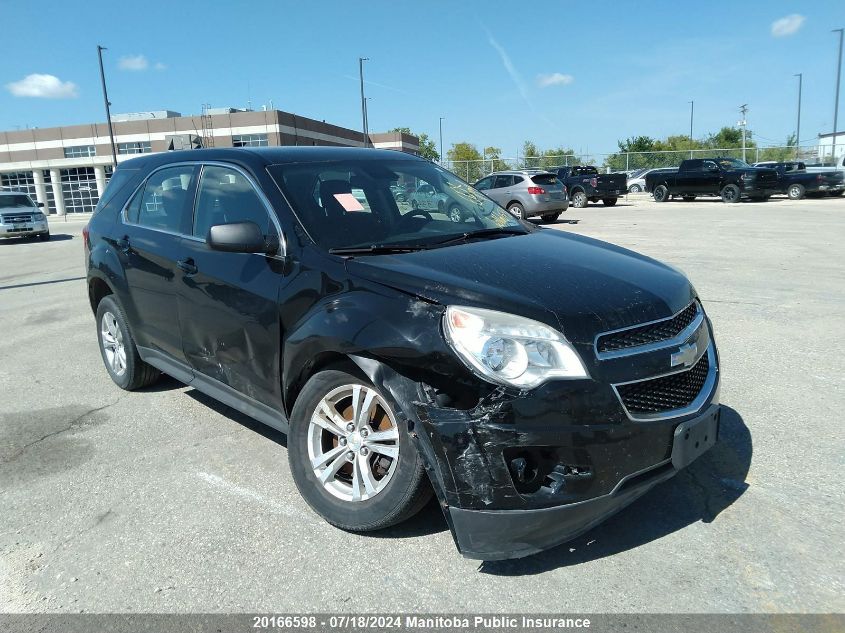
503 534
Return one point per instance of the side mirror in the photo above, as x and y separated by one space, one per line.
240 237
39 204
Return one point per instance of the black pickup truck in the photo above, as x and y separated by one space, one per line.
586 184
730 178
795 181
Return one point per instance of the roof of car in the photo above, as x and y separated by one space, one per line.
268 155
9 192
520 172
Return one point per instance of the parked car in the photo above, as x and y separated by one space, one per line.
828 164
526 194
586 184
537 381
637 183
730 178
795 181
21 217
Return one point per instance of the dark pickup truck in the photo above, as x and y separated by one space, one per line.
586 184
730 178
795 181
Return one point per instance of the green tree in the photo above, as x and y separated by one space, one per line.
494 154
428 149
466 161
779 154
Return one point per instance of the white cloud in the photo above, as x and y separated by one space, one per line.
133 62
510 68
787 25
44 87
554 79
160 66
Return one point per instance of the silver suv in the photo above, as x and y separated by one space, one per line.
21 217
527 193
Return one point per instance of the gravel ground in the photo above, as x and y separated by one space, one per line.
165 501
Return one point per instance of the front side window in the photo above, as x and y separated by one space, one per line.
226 196
164 200
484 183
350 203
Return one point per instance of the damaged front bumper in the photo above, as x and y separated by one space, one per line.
514 486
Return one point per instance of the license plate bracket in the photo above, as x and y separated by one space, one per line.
694 437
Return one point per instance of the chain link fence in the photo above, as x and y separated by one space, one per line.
472 170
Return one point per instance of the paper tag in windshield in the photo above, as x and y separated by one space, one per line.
348 202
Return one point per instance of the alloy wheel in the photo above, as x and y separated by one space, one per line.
353 443
455 214
112 339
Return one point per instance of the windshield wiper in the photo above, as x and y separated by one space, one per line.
481 233
377 249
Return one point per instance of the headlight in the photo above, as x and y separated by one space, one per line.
509 349
38 217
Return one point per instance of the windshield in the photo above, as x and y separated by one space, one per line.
733 163
362 203
8 202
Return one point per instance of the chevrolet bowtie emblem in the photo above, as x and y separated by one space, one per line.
686 355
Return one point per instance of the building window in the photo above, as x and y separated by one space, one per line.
138 147
250 140
79 189
80 151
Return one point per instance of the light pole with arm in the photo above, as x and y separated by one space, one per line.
836 101
361 61
100 50
691 112
441 140
798 127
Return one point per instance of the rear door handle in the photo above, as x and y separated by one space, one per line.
188 266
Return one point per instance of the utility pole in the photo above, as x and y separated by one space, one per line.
441 140
361 61
798 128
100 50
743 123
836 104
691 112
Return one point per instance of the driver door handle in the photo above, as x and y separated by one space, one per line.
188 266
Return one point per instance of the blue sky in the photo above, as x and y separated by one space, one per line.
558 73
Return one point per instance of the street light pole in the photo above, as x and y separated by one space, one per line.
691 112
100 50
836 105
743 109
441 140
361 61
798 127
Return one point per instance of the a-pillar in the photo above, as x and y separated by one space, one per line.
58 196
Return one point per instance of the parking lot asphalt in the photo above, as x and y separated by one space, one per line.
165 501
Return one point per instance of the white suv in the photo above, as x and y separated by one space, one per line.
21 217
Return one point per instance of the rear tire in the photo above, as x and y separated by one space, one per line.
609 202
579 199
389 490
550 217
795 192
118 349
634 189
730 194
456 214
661 193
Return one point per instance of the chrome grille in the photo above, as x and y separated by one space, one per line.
648 333
16 218
665 393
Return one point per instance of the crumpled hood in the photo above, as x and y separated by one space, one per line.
576 284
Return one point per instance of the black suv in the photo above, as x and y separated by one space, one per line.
536 381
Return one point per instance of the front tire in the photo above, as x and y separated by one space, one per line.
661 193
456 214
634 189
351 456
730 194
517 210
118 349
44 237
550 217
795 192
579 199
